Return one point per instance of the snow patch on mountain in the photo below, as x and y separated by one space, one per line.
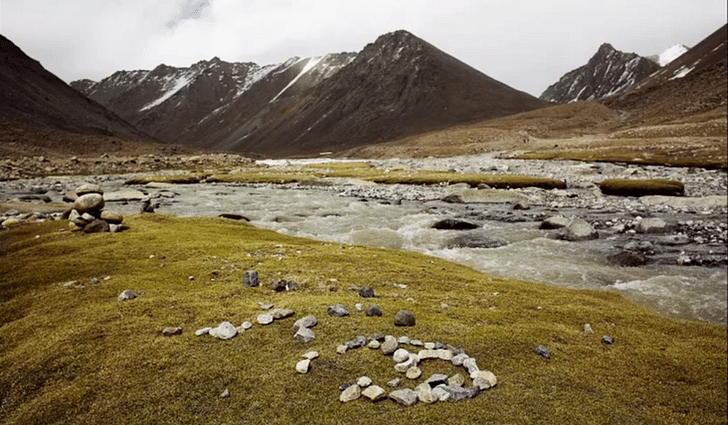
171 86
669 55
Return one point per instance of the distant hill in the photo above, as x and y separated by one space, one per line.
398 85
608 72
31 94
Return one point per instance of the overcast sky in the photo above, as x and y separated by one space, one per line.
527 44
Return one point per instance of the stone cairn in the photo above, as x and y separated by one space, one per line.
88 214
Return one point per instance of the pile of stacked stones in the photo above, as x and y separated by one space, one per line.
88 212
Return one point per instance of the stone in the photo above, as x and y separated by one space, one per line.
588 329
424 394
416 343
394 383
127 295
606 339
364 381
305 322
413 373
171 331
458 360
441 393
311 355
471 365
304 335
374 344
579 230
359 306
405 397
407 364
265 319
404 318
246 325
303 366
341 349
225 393
374 310
674 240
89 188
555 222
357 342
427 354
653 225
454 224
224 330
265 306
125 195
389 346
250 279
338 310
374 393
203 331
485 380
403 340
351 393
89 203
366 292
461 393
88 218
279 285
626 258
281 313
457 380
429 346
112 217
543 352
97 226
401 355
436 379
444 354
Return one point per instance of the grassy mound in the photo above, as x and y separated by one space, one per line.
361 171
627 187
72 355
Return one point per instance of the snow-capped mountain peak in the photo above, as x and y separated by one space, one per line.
669 55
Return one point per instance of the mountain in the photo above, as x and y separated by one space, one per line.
694 83
396 86
608 72
33 96
669 55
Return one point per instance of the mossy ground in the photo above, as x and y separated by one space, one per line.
363 171
77 355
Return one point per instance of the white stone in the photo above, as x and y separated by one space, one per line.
413 373
470 365
424 394
311 355
341 349
374 393
225 330
364 381
485 379
401 355
303 366
203 331
265 319
350 394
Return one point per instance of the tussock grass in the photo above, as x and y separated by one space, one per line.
77 355
642 187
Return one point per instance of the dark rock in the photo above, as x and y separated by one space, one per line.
404 318
556 222
674 240
606 339
338 310
279 286
366 292
374 310
436 379
97 226
453 199
627 258
359 341
629 187
250 279
543 352
453 224
127 295
234 217
476 239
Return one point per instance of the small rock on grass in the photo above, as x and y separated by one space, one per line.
225 394
413 373
588 329
485 380
305 322
606 339
304 335
404 318
405 397
351 393
127 295
543 352
303 366
338 310
203 331
366 292
225 330
374 393
311 355
374 310
265 319
171 331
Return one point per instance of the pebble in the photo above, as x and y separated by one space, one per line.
606 339
338 310
311 355
413 373
351 393
224 330
374 393
394 382
127 295
171 331
366 292
303 366
265 319
203 331
588 329
225 393
404 318
405 397
374 344
364 381
543 352
305 322
304 335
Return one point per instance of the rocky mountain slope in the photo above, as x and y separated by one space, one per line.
396 86
608 72
33 95
692 85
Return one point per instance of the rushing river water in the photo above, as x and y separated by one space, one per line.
339 213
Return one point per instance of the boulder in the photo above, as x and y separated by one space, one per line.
374 310
89 188
305 322
627 258
112 217
653 225
338 310
555 222
476 239
579 230
454 224
90 202
97 226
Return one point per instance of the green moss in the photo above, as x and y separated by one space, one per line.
77 355
627 187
